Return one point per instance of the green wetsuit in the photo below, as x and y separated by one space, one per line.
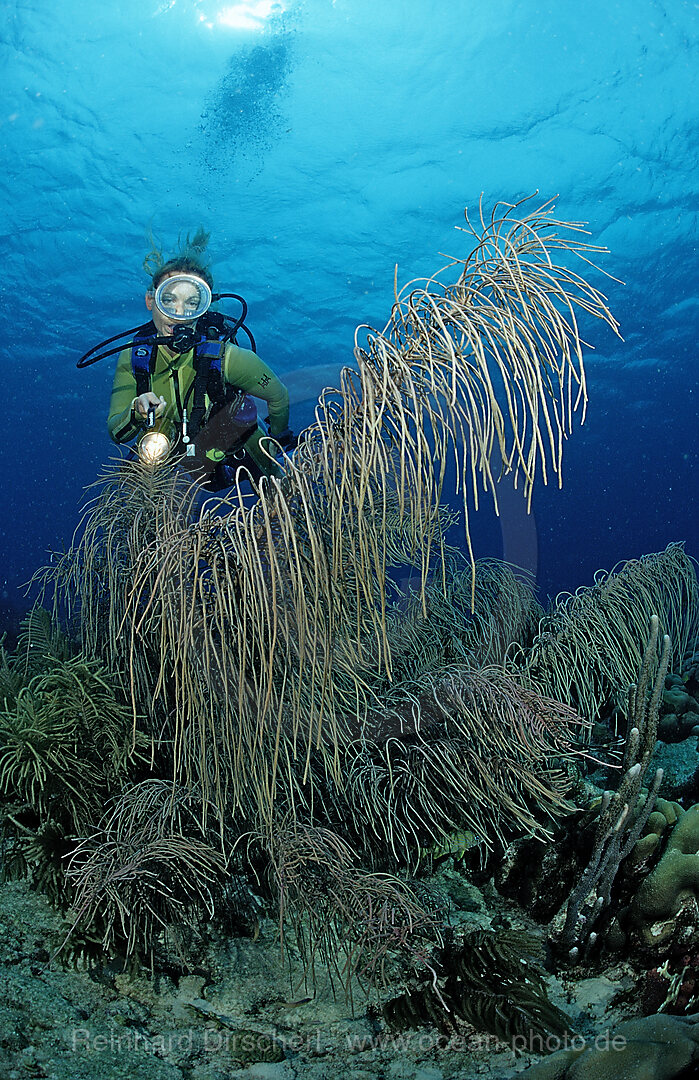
172 379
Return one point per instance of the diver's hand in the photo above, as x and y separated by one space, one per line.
141 404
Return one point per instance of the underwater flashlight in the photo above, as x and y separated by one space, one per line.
154 445
153 448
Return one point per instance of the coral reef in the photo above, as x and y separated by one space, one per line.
454 987
673 986
264 635
277 728
680 710
673 884
623 814
590 645
66 744
147 869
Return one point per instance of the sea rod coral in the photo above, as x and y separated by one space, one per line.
261 639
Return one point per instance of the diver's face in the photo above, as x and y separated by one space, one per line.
182 300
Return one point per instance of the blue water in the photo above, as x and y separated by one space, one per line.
321 143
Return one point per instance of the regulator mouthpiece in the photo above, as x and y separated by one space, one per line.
183 338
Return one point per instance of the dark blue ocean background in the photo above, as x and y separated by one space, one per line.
323 142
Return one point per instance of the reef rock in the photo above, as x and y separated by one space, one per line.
653 1048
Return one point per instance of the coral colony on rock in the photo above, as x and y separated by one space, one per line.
225 713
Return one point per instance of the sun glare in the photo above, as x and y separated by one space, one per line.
247 15
244 15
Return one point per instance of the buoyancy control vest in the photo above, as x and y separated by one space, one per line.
211 432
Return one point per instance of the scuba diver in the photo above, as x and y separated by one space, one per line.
183 384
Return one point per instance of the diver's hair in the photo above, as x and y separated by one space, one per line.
187 260
185 264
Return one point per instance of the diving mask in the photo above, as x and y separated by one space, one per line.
182 297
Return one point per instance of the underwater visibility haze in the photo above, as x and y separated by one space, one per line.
398 742
322 143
